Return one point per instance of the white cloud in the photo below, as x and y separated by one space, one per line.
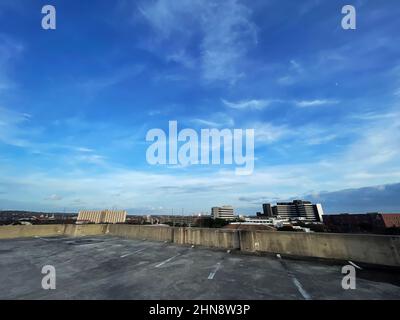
295 66
54 197
183 58
321 139
10 50
216 120
92 159
248 104
266 133
286 80
295 71
95 85
12 129
224 29
314 103
368 116
83 149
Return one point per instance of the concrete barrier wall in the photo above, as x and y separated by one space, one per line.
84 230
141 232
374 249
49 230
215 238
10 232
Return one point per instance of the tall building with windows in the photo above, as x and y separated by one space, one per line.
295 210
267 210
224 212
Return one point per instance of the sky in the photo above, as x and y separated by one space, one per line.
77 102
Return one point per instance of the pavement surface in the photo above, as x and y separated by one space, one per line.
104 267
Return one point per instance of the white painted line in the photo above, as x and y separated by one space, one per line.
354 265
166 261
296 282
52 239
303 292
42 238
212 274
129 254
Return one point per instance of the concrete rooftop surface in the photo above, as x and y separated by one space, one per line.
105 267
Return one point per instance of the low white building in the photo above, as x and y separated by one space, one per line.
277 223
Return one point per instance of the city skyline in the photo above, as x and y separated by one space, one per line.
76 103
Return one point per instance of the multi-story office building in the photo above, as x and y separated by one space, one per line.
102 216
224 212
267 210
296 210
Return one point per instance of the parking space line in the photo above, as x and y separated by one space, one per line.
166 261
51 239
42 239
354 265
212 274
295 281
131 253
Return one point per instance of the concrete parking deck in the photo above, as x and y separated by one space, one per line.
104 267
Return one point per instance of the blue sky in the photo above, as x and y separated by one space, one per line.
76 102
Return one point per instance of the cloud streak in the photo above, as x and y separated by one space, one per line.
248 104
224 29
315 103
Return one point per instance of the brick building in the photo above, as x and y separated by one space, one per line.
362 223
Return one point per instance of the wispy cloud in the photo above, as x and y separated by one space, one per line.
248 104
296 67
315 103
294 72
266 133
12 127
92 159
83 149
260 104
10 50
216 120
94 85
225 30
54 197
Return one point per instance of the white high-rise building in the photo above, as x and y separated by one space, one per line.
298 210
224 212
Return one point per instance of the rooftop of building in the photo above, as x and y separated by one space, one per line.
107 267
